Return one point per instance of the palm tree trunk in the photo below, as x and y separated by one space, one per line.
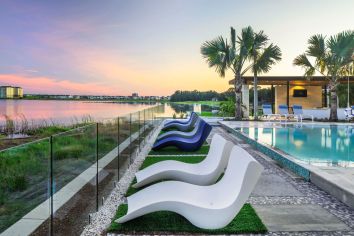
255 96
333 88
238 96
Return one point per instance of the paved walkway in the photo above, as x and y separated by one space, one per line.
288 205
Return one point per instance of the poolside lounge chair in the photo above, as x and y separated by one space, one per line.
268 113
349 113
180 133
182 127
186 144
207 207
204 173
284 111
181 121
299 113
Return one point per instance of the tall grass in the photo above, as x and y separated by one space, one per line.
22 126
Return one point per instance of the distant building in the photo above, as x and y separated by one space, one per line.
11 92
135 95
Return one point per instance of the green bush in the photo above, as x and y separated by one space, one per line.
227 108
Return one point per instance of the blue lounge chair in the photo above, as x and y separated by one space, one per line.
182 121
299 113
186 144
182 127
267 112
181 133
284 111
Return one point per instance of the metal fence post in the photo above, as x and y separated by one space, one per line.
51 187
118 141
130 138
96 166
139 134
144 127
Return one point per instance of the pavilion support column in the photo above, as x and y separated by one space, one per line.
327 97
272 97
246 100
287 93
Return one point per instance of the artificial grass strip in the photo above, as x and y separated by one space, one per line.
150 160
175 151
162 222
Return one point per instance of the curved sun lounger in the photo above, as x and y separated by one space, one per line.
204 173
207 207
186 144
182 121
182 127
180 133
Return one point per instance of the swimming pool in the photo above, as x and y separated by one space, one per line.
313 144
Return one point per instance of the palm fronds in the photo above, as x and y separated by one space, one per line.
216 52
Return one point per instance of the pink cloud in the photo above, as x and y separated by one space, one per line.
46 85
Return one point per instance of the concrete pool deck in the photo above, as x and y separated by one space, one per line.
290 205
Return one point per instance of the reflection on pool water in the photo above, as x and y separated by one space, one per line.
317 145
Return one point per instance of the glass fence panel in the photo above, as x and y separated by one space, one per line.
135 135
124 144
79 167
74 179
108 158
24 186
143 125
107 136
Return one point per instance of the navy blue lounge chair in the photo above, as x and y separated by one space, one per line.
186 144
181 133
182 127
182 121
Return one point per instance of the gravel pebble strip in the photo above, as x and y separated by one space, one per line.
101 220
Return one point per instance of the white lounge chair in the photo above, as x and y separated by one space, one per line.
299 113
268 113
204 173
207 207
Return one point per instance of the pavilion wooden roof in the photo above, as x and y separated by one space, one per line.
293 80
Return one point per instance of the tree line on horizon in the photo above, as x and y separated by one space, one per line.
264 95
195 95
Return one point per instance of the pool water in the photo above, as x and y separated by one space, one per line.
317 145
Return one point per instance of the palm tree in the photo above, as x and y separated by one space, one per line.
234 56
329 58
262 58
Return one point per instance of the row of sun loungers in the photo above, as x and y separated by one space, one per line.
193 190
186 136
284 114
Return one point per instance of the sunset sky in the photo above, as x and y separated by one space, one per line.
116 47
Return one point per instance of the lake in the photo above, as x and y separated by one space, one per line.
68 112
65 112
